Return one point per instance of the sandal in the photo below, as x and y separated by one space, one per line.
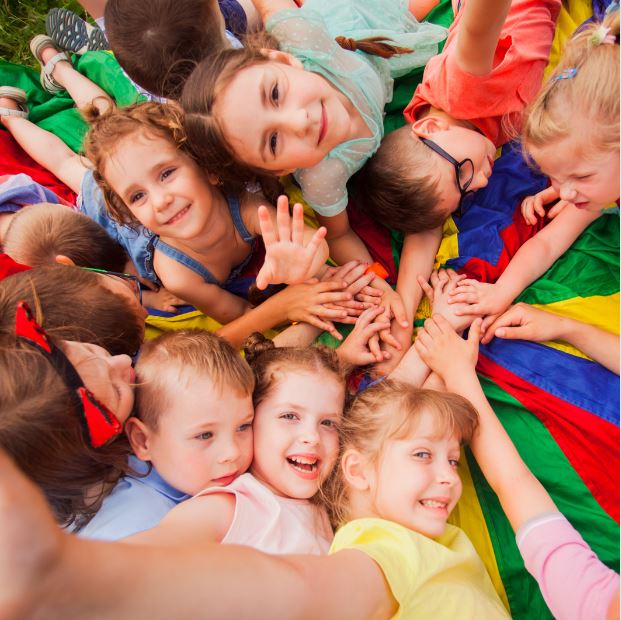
70 32
37 45
19 96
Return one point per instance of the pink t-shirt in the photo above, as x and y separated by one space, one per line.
575 584
521 55
274 524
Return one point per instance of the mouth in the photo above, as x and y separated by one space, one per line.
224 480
581 205
324 124
436 505
178 216
305 466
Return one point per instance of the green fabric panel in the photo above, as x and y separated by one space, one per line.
589 267
406 85
57 113
547 461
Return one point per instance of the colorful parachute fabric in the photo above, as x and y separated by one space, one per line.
560 408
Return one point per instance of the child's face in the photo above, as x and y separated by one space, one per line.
296 439
461 143
590 182
279 117
204 439
416 483
109 377
164 188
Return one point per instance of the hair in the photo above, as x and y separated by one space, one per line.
38 233
72 304
41 429
397 187
592 93
165 361
158 43
212 76
269 362
390 410
155 120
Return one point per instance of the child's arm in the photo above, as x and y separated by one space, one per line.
532 205
530 262
345 244
478 34
269 7
524 322
521 495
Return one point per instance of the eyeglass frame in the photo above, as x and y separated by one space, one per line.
125 276
463 189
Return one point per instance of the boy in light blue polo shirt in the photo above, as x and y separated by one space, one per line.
193 430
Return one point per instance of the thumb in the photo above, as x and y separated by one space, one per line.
474 334
511 333
263 278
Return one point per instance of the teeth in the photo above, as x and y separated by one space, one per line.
430 503
303 463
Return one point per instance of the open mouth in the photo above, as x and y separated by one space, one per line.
175 218
306 467
581 205
324 124
434 504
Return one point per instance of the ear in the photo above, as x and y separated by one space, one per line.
428 125
139 437
356 470
214 179
283 57
61 259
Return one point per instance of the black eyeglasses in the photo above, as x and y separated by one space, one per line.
127 278
464 173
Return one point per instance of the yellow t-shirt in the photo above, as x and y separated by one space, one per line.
431 579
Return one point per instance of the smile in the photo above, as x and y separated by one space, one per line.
434 504
306 467
324 124
175 218
224 480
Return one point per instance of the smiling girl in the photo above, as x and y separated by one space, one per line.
296 444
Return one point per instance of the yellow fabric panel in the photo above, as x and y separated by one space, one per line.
598 310
469 517
157 325
573 13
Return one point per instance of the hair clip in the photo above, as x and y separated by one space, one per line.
601 36
566 74
612 7
98 422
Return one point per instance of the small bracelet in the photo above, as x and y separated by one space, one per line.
378 269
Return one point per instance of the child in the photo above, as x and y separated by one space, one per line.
574 583
311 108
62 402
192 430
296 443
583 166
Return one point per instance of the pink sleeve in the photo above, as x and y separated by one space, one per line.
575 584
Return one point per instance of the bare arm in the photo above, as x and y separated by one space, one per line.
345 244
269 7
478 34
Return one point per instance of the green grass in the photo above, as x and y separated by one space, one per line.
20 21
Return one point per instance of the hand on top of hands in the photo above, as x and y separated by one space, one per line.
287 258
441 284
360 347
534 205
444 351
478 298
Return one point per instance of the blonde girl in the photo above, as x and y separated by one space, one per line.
298 398
571 133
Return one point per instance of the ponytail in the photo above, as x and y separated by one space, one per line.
374 46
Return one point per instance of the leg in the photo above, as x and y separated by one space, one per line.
45 148
95 8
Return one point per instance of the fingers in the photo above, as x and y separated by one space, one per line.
387 337
464 295
454 276
362 282
371 291
474 334
297 227
369 315
267 227
315 243
398 310
326 326
367 299
427 289
374 347
557 208
283 221
263 277
488 327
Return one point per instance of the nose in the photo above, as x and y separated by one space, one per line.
309 435
447 474
120 364
298 122
229 450
160 198
566 191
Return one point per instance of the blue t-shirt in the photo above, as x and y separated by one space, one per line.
135 504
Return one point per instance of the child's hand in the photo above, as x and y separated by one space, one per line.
360 348
444 351
287 259
481 298
443 282
353 276
308 303
523 322
161 300
535 204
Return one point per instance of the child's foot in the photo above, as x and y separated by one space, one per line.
48 55
12 102
70 32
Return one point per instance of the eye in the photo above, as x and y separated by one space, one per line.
329 423
273 141
204 436
166 173
422 454
135 197
454 462
245 427
288 416
584 177
274 94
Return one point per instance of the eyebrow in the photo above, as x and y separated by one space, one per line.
263 139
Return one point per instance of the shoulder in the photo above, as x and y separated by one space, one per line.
175 276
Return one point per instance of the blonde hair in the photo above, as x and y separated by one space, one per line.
166 359
585 83
38 233
390 410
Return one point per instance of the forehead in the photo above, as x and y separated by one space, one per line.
304 387
426 425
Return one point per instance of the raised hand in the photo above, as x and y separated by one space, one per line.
288 258
360 348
